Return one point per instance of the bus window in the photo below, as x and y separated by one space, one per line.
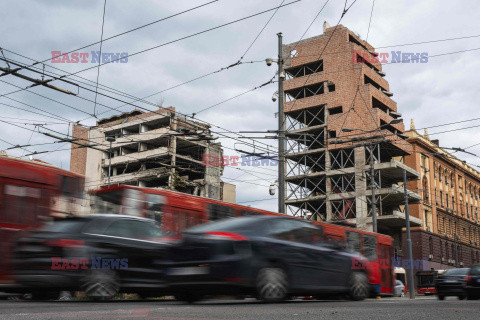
155 205
21 204
353 241
218 212
132 204
370 247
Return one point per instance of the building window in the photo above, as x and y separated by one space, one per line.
441 198
426 219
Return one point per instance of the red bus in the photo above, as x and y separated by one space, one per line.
178 211
31 191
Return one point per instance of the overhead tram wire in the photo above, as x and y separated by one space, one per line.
111 97
402 61
196 34
390 46
182 38
104 145
347 69
240 61
98 70
36 62
153 111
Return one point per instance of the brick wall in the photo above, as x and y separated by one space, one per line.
78 155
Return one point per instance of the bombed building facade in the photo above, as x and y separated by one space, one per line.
341 125
148 149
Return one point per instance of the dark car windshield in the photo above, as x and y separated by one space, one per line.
232 224
64 226
475 270
456 272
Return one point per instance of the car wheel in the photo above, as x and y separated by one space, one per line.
272 284
358 284
441 297
461 297
471 297
188 297
100 284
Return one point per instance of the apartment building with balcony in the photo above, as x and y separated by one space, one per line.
331 89
450 189
158 149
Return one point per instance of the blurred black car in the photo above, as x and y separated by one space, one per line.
269 257
452 283
472 286
101 255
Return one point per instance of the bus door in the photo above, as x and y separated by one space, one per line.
386 284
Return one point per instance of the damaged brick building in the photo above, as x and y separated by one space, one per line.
339 114
150 149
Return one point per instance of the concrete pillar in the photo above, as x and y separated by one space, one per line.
363 221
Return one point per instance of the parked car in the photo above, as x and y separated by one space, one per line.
472 286
269 257
452 283
101 255
399 289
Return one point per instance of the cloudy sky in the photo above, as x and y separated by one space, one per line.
442 91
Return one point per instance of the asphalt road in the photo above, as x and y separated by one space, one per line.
385 309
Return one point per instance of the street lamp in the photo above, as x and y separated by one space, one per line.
110 139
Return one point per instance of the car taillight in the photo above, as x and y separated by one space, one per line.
468 279
225 236
65 243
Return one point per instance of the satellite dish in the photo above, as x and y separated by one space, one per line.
293 53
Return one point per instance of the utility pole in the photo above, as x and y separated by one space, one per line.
411 285
373 186
281 131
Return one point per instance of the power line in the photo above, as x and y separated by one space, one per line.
183 38
128 31
98 69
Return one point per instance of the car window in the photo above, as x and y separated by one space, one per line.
475 270
122 228
297 231
64 226
147 231
232 224
456 272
